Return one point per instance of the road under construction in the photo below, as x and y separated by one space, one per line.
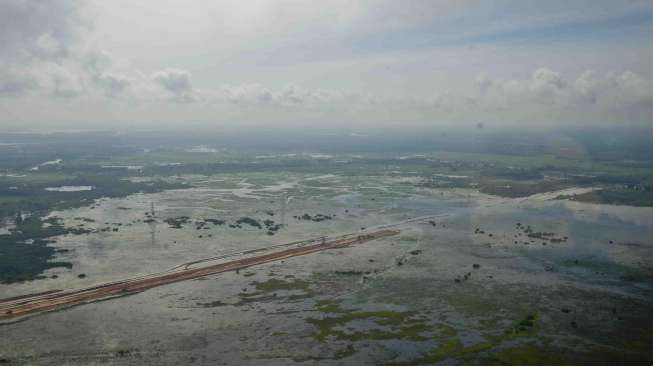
21 306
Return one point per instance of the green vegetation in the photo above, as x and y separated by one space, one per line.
25 253
340 324
31 196
496 325
200 224
520 176
526 355
385 324
270 225
516 189
249 221
452 348
27 195
268 290
177 222
329 306
525 327
216 222
627 197
274 284
400 323
314 218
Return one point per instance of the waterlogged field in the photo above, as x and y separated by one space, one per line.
480 280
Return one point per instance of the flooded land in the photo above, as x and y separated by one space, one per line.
500 259
274 182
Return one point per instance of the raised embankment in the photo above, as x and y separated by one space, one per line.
52 300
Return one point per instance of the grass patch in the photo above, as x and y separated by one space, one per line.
526 355
390 324
267 290
451 348
25 253
614 197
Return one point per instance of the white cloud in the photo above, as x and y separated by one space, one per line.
38 29
66 83
113 84
548 88
547 85
298 60
15 81
177 82
248 93
289 97
37 39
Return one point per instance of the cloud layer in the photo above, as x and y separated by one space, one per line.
330 61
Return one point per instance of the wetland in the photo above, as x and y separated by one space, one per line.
501 259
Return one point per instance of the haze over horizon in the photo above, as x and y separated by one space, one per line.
227 64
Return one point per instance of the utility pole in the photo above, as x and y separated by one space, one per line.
152 224
284 198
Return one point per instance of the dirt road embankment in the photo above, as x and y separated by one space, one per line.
53 300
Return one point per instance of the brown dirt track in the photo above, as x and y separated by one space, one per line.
20 306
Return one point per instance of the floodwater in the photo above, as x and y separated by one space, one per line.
128 167
6 225
49 162
461 282
69 188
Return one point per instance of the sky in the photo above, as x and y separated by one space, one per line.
99 64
